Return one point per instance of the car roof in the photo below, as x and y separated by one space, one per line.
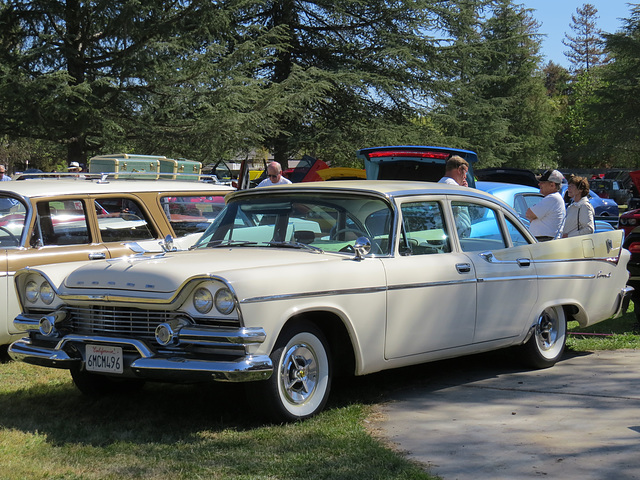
387 188
47 187
500 187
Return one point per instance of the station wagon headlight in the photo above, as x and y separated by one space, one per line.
32 291
47 295
224 301
202 300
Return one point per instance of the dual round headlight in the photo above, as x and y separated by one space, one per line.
204 300
44 291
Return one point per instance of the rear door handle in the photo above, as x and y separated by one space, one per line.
463 267
97 256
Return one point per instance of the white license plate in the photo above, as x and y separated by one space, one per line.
103 358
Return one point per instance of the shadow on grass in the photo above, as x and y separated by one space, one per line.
175 413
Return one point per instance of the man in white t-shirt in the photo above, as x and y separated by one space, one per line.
456 170
455 173
547 217
274 176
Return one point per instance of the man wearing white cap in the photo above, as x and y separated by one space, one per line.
547 217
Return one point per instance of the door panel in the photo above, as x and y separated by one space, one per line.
431 300
507 281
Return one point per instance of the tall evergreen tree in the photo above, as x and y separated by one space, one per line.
586 45
367 60
578 144
497 103
91 66
614 118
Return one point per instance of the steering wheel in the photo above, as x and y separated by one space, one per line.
337 233
15 239
375 247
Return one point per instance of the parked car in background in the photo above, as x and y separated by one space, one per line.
53 221
508 175
518 196
413 162
220 170
604 208
632 243
522 197
609 188
294 285
629 221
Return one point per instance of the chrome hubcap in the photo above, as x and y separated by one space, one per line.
547 331
299 373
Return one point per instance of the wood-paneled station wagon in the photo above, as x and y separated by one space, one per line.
49 221
293 285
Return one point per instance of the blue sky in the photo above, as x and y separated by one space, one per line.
555 17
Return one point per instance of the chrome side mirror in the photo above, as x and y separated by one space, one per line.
167 244
362 247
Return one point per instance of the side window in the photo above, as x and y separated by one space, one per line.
523 202
63 222
13 217
517 238
191 214
122 220
478 227
423 229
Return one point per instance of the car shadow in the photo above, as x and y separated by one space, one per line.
432 376
61 412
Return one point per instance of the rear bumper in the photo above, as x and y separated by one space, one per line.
624 297
142 362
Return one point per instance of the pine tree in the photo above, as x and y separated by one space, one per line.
496 102
614 119
359 70
586 45
82 73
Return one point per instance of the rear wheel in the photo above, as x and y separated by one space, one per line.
546 345
300 384
94 385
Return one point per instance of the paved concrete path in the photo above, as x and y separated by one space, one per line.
577 420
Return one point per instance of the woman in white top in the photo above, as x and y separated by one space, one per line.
580 214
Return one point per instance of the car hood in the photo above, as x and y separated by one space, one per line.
162 274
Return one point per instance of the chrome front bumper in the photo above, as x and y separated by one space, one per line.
146 363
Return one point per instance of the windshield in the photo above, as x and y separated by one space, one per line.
323 221
13 215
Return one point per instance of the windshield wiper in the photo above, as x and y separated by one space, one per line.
230 243
306 246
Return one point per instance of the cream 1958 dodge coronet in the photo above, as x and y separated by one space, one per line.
293 285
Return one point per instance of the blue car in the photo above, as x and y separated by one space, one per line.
522 197
604 207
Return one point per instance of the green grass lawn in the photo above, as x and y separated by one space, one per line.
48 430
612 334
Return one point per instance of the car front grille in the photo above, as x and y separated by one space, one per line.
108 320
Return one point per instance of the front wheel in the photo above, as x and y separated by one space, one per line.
300 384
546 345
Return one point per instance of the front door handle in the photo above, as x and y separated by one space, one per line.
524 262
463 267
97 256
